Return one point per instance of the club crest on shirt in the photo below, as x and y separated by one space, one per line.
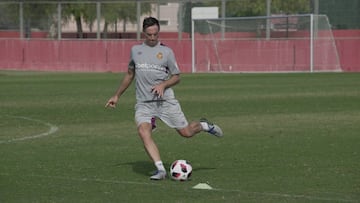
159 55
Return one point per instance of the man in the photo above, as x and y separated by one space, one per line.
155 70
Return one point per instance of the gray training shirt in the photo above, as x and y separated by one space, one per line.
152 66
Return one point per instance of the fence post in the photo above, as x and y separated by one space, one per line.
138 13
98 18
21 19
268 21
311 42
59 21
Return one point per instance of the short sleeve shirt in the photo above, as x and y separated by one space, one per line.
152 66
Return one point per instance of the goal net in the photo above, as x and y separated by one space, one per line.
284 43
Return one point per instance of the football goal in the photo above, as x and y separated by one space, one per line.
283 43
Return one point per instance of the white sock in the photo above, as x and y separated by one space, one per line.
205 126
160 166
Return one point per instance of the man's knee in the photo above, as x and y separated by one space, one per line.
186 132
144 130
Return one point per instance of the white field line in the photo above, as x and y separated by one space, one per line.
52 130
124 182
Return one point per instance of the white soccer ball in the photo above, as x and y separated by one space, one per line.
180 170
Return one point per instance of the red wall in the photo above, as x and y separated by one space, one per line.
113 55
348 45
78 55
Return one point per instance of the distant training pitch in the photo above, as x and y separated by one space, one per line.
288 138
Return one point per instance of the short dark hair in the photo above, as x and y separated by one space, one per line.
150 21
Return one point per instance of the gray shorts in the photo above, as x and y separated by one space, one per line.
168 111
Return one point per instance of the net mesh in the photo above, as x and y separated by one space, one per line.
260 44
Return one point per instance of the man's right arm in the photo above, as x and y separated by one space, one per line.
125 83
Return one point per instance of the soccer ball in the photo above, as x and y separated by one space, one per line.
180 170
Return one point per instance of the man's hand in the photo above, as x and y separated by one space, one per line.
112 102
158 90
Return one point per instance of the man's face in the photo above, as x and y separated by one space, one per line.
151 35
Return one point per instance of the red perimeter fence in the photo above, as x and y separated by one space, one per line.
113 55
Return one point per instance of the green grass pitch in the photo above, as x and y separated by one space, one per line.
288 138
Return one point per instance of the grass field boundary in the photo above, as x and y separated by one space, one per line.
149 183
52 129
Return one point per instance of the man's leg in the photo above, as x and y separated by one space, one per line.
204 125
144 130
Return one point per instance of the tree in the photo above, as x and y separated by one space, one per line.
36 16
290 6
258 7
111 13
126 12
244 8
9 16
187 15
76 11
342 14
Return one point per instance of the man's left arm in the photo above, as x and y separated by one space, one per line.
160 88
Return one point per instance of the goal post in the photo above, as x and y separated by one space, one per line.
297 43
198 13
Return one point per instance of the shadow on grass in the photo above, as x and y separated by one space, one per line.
147 168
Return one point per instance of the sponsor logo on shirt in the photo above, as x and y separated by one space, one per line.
150 67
